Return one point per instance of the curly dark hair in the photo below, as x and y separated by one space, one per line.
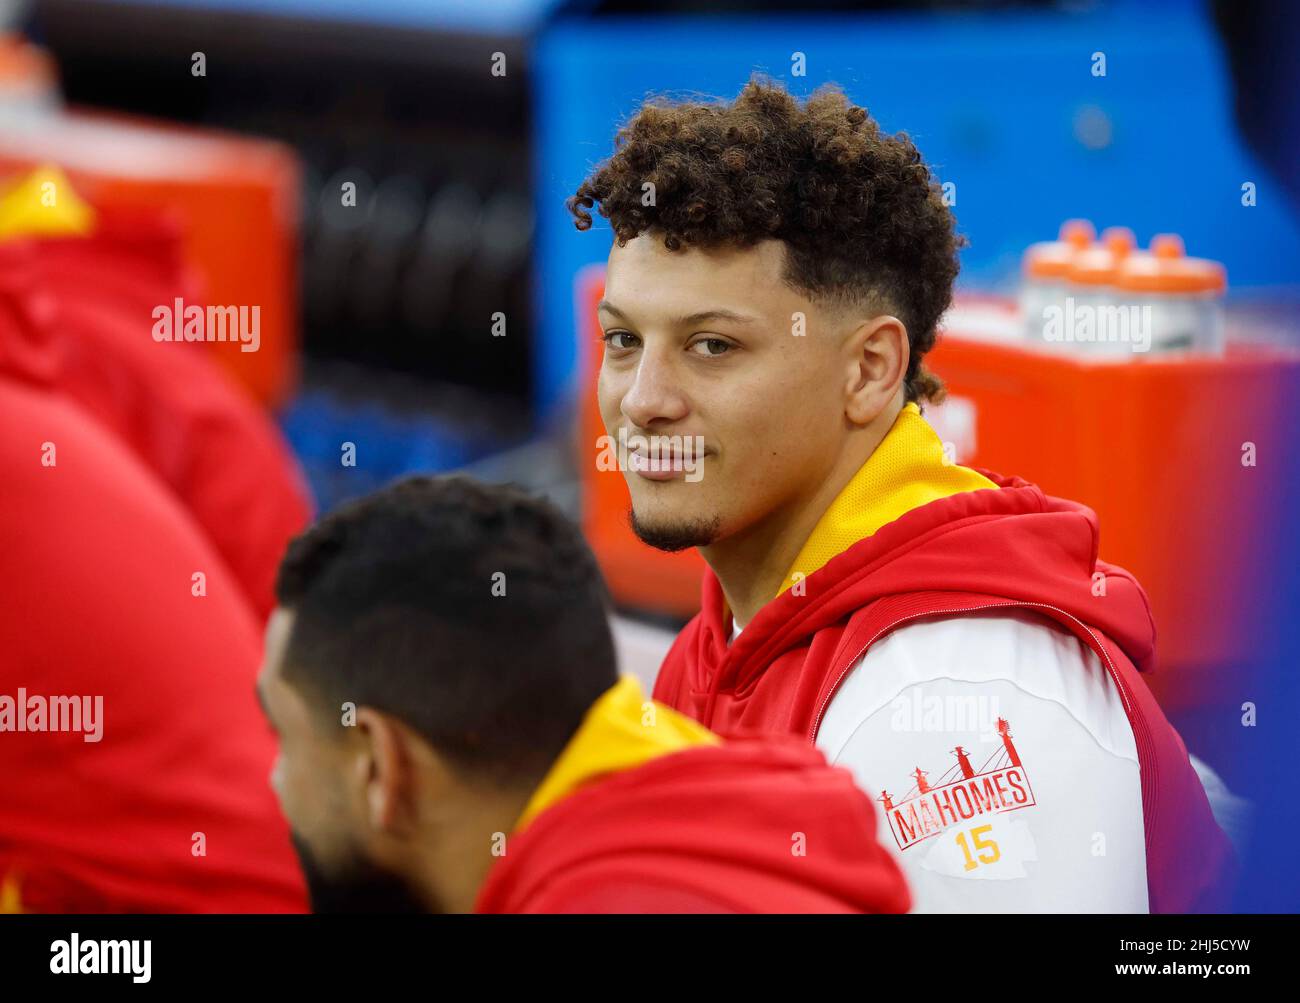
862 218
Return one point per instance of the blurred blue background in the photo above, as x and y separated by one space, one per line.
1004 105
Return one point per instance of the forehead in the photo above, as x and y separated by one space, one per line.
281 701
643 272
279 628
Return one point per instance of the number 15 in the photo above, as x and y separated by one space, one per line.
979 844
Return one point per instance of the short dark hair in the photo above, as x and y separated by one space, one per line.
394 608
858 210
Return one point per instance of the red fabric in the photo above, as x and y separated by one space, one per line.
75 316
708 829
99 556
1012 547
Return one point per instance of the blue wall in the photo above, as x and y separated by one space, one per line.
991 100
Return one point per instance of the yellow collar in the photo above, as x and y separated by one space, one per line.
44 204
907 470
620 731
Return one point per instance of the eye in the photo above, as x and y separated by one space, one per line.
609 339
722 347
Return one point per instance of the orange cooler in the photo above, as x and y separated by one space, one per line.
236 197
1173 452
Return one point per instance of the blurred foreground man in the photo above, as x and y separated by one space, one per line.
777 276
454 737
133 757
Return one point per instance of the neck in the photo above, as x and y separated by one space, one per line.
751 565
461 844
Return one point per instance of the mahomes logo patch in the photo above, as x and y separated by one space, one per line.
961 793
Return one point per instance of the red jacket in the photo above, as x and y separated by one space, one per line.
745 826
97 556
977 550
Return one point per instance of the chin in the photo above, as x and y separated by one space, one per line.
674 531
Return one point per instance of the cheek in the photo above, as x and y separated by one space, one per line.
808 400
293 788
281 780
610 387
781 436
276 776
280 785
775 415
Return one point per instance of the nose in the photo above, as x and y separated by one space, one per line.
655 396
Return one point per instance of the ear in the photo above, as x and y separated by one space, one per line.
384 765
876 363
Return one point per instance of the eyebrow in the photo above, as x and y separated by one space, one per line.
702 316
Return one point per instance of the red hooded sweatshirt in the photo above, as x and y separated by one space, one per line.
977 550
650 813
745 827
148 792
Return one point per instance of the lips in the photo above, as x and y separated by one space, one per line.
660 457
666 466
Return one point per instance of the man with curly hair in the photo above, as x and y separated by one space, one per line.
777 276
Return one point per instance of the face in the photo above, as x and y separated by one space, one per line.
714 344
317 778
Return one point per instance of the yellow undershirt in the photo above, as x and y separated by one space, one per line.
620 731
907 470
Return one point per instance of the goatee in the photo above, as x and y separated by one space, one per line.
674 536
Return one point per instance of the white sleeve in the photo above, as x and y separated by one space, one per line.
1002 763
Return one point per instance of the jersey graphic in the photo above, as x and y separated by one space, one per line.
960 794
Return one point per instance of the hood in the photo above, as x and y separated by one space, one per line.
618 732
125 260
1015 543
755 826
